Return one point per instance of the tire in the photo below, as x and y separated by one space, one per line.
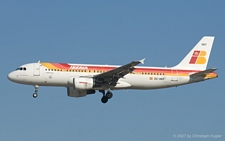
104 99
109 95
35 95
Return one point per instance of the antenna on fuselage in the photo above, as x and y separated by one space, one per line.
39 61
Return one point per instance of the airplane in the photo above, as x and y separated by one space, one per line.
85 79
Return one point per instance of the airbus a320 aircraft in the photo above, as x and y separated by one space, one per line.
84 79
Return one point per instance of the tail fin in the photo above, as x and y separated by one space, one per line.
197 58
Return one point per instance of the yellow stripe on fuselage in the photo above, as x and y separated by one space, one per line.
49 66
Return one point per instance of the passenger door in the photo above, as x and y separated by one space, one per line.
174 75
36 71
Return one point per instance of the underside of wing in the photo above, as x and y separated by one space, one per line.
111 77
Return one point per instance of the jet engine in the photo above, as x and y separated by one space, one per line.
78 93
83 83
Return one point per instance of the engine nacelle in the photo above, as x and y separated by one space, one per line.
82 83
78 93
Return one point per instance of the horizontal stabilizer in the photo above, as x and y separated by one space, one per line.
202 74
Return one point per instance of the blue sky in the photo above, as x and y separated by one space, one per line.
110 32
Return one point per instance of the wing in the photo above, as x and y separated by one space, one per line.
111 77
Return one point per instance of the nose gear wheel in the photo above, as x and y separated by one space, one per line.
35 91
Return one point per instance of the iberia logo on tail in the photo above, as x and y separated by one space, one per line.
198 57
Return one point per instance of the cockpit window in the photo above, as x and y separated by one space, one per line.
22 69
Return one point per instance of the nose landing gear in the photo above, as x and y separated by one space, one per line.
35 91
106 96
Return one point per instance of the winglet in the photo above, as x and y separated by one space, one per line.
142 61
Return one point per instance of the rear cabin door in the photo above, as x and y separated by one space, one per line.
174 75
36 70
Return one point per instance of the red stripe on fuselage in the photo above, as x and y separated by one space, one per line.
61 66
137 69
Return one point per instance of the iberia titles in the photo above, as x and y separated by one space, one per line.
78 67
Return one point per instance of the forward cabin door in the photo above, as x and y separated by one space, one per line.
36 71
174 75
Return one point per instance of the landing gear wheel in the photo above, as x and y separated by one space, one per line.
109 95
35 91
35 95
104 99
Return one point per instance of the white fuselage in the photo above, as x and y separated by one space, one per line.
36 74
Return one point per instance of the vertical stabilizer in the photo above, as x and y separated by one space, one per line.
198 57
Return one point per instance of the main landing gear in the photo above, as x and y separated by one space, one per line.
106 96
35 91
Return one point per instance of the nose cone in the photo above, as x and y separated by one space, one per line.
11 76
